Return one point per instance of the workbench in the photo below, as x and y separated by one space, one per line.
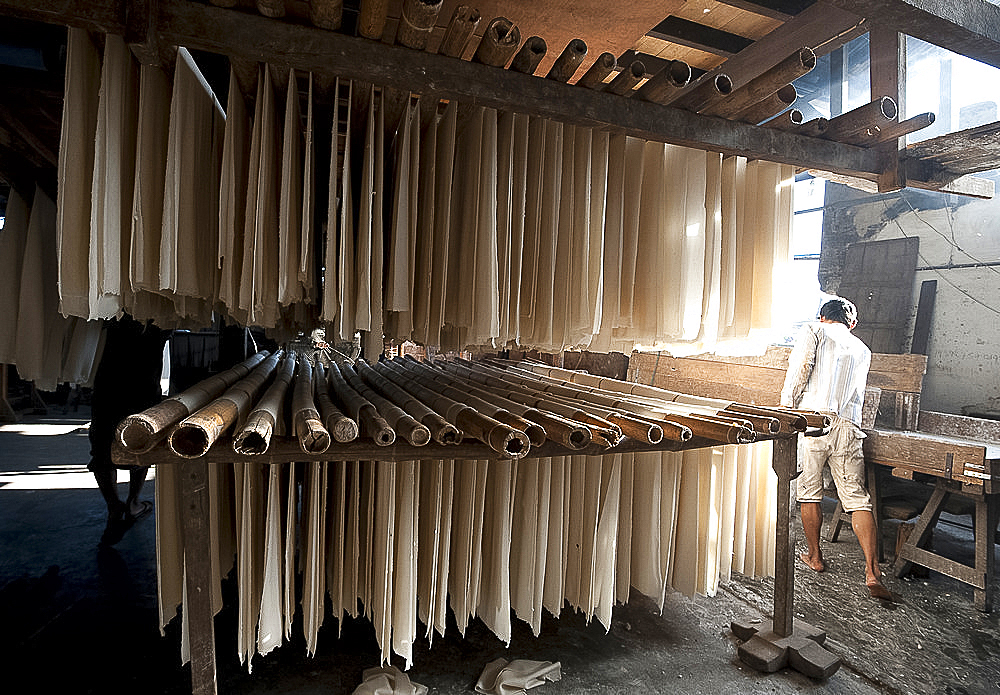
955 456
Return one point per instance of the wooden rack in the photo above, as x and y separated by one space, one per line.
283 450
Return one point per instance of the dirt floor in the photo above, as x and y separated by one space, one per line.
79 618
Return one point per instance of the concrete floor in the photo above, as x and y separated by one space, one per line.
78 618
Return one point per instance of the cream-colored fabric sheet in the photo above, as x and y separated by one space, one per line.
290 200
76 165
233 197
13 239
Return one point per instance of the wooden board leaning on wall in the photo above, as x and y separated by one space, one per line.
758 379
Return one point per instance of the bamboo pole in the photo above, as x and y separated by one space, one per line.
254 437
271 8
602 67
326 14
709 89
897 129
667 83
463 24
392 370
194 435
877 112
569 433
568 61
372 18
341 427
416 22
312 435
628 78
526 60
790 120
405 425
442 431
503 439
363 412
596 424
768 82
498 44
815 128
769 106
141 432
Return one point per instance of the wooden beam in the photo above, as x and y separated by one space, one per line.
821 27
887 70
967 27
782 10
250 37
704 38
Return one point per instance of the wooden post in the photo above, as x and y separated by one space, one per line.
198 576
888 74
784 464
985 525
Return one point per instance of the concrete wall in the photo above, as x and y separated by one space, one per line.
963 368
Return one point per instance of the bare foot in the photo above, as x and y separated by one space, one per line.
877 590
815 564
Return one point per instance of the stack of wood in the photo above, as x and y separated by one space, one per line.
403 532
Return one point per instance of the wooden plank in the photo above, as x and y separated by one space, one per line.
783 10
695 35
955 154
967 27
764 373
955 570
922 324
198 577
974 428
985 525
942 458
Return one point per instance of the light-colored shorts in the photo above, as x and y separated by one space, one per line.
841 450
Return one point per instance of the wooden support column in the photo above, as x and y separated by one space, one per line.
784 465
987 509
887 48
198 576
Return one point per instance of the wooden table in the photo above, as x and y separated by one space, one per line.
953 465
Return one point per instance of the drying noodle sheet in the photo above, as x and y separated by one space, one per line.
403 231
485 324
515 218
307 242
13 240
504 192
113 181
611 244
534 166
494 598
259 272
76 165
331 261
271 625
150 168
337 532
313 553
189 243
555 547
38 346
444 187
346 299
291 538
250 517
290 205
383 565
423 260
232 198
404 601
529 540
83 344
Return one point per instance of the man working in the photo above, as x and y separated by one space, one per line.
827 372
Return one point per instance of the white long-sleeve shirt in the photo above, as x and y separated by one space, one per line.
827 371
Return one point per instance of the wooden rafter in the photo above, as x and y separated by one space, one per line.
250 37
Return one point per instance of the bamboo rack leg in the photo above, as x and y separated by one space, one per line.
7 413
784 641
198 577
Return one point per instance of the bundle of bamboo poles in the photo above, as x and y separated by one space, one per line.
508 407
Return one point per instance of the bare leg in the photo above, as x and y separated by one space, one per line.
136 478
812 520
863 523
107 484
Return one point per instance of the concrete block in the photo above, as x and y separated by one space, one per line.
762 655
810 659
